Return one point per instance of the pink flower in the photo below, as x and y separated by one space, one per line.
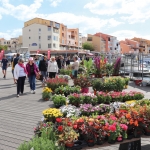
112 128
124 127
113 118
119 139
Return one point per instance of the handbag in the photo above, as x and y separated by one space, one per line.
39 77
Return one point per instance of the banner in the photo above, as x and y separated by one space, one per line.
48 54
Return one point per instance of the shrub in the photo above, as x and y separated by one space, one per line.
59 100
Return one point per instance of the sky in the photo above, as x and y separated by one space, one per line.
120 18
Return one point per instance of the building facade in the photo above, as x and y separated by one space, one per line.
44 35
112 45
129 46
144 45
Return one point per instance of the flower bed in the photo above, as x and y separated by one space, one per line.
56 82
109 84
67 90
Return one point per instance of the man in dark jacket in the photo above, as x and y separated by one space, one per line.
59 62
43 68
15 62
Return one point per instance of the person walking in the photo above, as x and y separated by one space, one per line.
16 60
59 62
32 71
68 61
52 68
75 67
43 64
20 73
12 65
4 65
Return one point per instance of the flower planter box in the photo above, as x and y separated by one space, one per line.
138 82
71 144
90 143
46 99
85 90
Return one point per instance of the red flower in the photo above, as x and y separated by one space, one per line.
60 128
75 126
69 124
59 120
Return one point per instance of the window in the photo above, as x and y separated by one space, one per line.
29 30
55 38
49 28
39 29
57 25
89 39
55 30
29 45
62 41
49 37
49 45
39 45
29 37
39 37
54 45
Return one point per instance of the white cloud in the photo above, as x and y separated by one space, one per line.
11 33
131 10
129 34
54 3
85 23
21 12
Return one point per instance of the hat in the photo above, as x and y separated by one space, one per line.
31 59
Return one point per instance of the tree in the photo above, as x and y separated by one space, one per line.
88 46
3 47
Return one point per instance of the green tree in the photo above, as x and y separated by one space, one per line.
3 47
88 46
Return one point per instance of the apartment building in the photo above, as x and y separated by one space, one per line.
144 45
111 43
41 34
129 46
98 42
13 44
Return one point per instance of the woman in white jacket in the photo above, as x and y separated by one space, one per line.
52 68
20 75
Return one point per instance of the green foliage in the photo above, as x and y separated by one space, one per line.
39 144
88 64
59 100
109 69
88 46
3 47
67 90
66 72
97 85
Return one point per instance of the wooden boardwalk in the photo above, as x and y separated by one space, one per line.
18 116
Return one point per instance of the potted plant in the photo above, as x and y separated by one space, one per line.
83 82
89 98
66 134
56 82
75 99
67 90
103 97
51 114
59 100
70 111
97 85
47 93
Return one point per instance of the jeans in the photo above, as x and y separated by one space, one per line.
20 85
52 74
32 82
75 74
44 74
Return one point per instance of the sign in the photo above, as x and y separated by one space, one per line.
34 44
48 54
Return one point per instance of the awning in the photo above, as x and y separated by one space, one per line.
90 54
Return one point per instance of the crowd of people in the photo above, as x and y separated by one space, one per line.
37 69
